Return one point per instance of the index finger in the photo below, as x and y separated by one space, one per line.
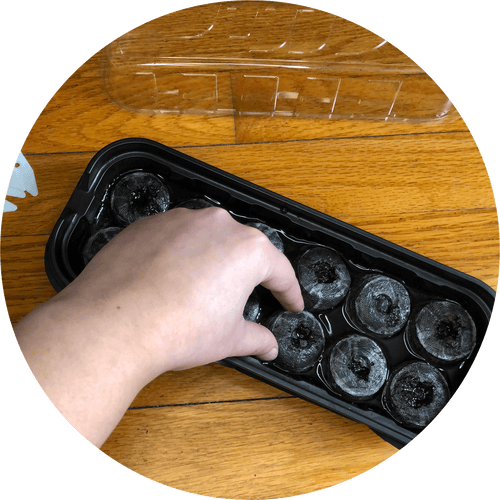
282 282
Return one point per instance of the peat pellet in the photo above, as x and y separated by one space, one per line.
415 393
355 367
271 233
442 332
97 241
323 277
252 310
379 304
301 340
138 195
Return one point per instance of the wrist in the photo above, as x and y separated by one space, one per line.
109 330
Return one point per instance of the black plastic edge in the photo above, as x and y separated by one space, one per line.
483 294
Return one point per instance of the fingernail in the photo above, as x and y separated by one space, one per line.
270 355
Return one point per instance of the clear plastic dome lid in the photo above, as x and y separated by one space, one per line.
267 59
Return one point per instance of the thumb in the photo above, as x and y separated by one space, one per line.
256 340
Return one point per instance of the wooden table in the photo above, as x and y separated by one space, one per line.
212 430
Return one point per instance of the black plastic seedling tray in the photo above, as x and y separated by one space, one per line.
88 211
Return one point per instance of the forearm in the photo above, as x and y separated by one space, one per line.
89 369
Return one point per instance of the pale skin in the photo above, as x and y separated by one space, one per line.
167 293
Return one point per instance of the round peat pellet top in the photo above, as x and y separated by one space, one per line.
443 331
196 204
356 367
323 277
138 195
97 241
271 233
415 394
301 340
381 305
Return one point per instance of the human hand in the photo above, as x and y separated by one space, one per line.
167 293
183 278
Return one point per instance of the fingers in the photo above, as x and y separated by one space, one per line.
283 283
255 340
279 275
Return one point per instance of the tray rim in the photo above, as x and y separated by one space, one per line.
482 293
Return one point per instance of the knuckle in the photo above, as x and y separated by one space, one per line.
260 238
259 250
219 214
259 241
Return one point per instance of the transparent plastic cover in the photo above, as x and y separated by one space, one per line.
267 59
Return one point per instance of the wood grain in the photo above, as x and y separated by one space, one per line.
245 450
25 282
340 177
81 117
208 384
212 430
347 176
251 129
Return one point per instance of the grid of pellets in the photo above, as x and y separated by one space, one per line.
368 336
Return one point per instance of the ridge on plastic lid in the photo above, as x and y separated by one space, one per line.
267 59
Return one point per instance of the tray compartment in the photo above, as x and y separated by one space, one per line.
300 228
